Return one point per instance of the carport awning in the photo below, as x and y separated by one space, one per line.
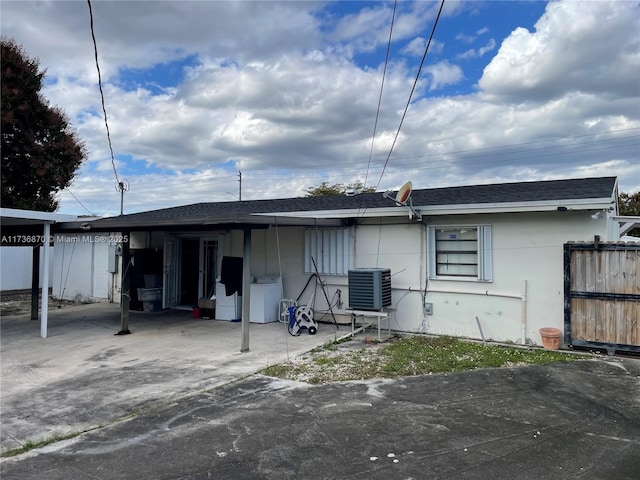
15 216
626 223
32 228
134 223
24 228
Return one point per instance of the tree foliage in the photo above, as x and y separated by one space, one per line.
324 189
629 203
40 150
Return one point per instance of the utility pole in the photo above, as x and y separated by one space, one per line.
122 186
239 185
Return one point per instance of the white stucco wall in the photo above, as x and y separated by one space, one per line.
81 268
280 251
15 267
275 251
525 247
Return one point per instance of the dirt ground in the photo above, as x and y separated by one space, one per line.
18 302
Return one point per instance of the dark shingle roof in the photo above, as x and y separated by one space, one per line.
572 189
551 190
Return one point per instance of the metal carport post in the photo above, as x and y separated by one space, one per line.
125 285
246 290
44 315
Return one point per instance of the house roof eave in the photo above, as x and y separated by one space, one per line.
503 207
194 224
518 207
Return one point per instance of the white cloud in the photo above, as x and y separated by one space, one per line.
443 73
465 38
480 52
369 28
416 47
591 47
364 27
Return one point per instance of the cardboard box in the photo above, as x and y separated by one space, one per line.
206 304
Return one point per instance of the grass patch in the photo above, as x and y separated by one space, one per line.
408 356
282 370
421 355
30 445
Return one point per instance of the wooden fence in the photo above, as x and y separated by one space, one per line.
602 296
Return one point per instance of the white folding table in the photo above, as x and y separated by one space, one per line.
375 316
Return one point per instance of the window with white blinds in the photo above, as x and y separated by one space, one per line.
329 247
462 252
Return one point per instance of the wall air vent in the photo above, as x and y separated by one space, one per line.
369 288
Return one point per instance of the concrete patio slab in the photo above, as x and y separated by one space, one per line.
83 375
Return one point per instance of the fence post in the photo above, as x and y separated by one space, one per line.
567 294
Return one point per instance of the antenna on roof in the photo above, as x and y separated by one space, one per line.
403 199
122 186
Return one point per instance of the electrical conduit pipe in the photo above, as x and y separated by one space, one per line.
523 315
522 297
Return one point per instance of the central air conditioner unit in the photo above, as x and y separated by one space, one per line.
369 288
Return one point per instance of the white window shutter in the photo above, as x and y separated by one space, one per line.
329 248
431 244
485 254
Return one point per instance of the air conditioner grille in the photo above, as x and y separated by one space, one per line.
369 288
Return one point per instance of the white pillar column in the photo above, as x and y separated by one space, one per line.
44 312
246 290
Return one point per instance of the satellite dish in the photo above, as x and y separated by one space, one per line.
403 199
404 193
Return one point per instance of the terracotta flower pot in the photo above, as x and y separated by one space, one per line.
550 338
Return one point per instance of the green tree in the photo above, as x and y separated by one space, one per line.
629 204
324 189
40 150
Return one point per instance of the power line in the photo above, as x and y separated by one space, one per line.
466 158
77 200
534 142
314 167
384 74
481 161
354 169
121 185
164 184
576 148
404 114
104 110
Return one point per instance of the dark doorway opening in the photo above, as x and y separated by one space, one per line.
189 272
146 261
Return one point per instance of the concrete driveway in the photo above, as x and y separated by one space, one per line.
83 375
565 421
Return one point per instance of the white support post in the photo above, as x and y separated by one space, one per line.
44 313
246 290
523 314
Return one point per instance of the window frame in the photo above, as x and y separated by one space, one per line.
483 251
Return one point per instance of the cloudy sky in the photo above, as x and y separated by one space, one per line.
287 93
